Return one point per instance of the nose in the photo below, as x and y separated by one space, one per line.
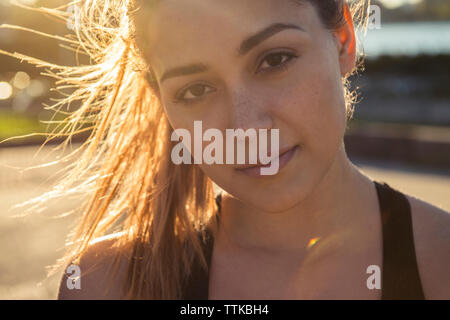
249 109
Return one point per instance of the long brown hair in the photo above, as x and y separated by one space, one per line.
124 166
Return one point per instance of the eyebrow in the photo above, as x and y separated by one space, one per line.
246 45
185 70
263 35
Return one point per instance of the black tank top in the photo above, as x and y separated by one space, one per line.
400 275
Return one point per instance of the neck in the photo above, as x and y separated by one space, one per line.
334 207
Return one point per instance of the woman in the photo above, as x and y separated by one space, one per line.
317 229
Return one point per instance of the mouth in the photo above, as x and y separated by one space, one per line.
284 157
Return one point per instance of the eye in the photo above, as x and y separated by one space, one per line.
276 61
194 92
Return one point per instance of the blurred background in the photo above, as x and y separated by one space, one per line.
400 133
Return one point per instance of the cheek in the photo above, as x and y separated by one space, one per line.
323 112
179 117
314 107
183 116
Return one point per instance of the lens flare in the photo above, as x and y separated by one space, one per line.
312 242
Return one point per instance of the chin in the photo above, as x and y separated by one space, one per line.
277 198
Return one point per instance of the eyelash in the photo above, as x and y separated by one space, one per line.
283 66
188 101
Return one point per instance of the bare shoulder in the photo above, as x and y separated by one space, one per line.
94 271
432 241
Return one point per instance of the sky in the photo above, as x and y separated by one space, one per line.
397 3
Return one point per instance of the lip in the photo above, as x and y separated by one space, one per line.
285 156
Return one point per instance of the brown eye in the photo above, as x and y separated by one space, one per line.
197 90
275 61
194 92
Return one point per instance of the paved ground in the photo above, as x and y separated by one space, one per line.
28 244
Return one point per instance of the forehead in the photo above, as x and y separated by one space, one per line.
176 31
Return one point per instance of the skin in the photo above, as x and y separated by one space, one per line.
263 249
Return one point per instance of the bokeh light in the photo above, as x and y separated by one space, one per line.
21 80
36 88
21 102
5 90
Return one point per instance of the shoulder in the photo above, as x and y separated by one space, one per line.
432 242
93 273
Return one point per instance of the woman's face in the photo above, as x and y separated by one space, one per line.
215 63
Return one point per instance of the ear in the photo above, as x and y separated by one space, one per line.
346 40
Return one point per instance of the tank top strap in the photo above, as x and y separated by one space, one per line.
400 274
197 287
219 206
